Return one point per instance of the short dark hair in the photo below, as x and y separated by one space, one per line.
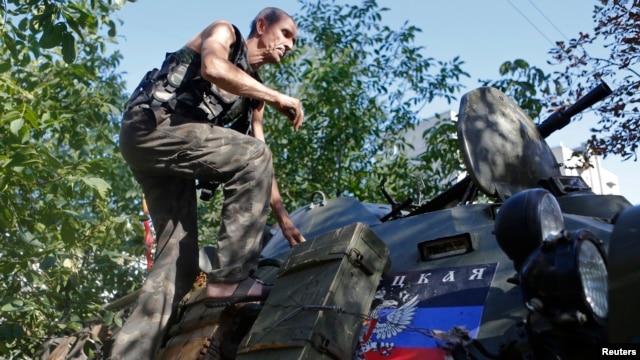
271 15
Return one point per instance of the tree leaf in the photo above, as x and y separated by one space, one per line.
28 238
5 65
69 51
16 125
31 117
68 263
12 305
98 184
52 36
47 263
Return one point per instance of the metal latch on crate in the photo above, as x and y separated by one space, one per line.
357 259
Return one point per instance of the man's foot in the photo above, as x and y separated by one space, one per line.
225 294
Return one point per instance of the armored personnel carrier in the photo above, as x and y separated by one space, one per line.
546 269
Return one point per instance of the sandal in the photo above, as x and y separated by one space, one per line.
240 294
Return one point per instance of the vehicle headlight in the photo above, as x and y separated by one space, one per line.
593 275
524 221
565 279
551 221
562 274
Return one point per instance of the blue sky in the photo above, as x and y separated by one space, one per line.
484 33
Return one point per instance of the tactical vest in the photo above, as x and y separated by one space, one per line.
179 86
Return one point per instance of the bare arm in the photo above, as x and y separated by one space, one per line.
289 230
214 46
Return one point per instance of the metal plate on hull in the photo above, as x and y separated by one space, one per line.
502 148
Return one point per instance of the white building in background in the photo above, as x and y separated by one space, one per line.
601 181
414 137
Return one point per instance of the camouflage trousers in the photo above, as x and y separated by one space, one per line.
166 153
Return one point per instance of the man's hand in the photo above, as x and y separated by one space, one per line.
291 232
291 108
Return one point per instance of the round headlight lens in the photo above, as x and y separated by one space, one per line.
524 221
551 220
593 274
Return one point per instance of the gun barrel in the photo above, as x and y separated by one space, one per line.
561 118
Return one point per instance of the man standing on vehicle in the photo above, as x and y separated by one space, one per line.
189 121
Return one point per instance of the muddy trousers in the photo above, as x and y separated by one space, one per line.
166 153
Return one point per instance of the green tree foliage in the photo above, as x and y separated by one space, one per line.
363 85
66 197
612 54
529 86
